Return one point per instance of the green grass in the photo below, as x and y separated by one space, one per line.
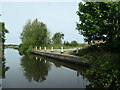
58 46
27 49
11 47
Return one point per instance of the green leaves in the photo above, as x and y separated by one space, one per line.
98 19
74 43
35 33
3 30
57 38
104 68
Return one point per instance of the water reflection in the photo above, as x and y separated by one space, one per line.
35 69
77 68
3 67
59 64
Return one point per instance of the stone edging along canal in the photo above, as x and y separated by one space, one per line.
63 57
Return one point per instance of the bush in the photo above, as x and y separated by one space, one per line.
105 65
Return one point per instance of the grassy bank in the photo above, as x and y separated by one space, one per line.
26 49
105 65
58 46
13 47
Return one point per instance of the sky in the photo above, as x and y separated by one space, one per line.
58 16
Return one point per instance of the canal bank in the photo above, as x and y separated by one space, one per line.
63 57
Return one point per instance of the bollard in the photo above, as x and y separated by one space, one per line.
36 58
40 48
45 61
36 47
52 49
62 50
45 48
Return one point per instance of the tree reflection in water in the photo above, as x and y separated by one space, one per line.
35 69
3 67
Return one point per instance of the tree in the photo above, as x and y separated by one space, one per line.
4 68
57 38
3 30
34 34
74 43
100 21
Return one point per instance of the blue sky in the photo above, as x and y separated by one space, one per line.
58 16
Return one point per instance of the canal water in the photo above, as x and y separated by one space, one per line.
41 72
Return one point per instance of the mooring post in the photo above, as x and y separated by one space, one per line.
36 47
40 48
52 49
45 61
40 59
36 58
62 50
45 48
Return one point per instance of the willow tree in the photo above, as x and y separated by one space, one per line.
100 21
35 33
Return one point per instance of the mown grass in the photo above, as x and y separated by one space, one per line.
26 49
58 46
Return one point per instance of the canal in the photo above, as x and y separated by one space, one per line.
33 71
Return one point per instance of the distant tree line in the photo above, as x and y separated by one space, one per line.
73 43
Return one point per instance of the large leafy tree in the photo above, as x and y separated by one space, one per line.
35 33
100 21
57 38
